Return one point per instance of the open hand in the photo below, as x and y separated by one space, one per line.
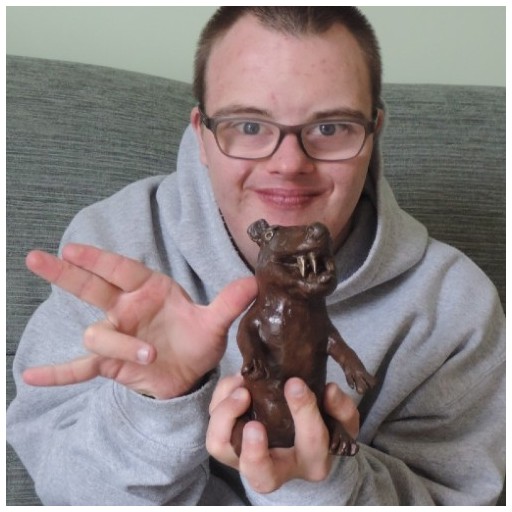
154 338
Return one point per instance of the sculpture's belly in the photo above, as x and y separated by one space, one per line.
270 408
295 348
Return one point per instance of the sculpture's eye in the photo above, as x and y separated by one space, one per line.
269 234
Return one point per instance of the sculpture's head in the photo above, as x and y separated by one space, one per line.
296 258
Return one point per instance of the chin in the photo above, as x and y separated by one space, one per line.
291 218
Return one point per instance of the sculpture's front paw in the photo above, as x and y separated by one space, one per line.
340 442
255 369
359 379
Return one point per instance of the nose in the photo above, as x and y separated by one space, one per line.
289 158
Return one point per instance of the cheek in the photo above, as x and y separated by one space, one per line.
226 175
346 195
348 181
354 179
347 184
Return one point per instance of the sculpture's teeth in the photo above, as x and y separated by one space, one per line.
301 263
312 262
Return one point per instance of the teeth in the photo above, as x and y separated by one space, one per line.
312 262
301 263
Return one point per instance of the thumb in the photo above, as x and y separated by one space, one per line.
232 301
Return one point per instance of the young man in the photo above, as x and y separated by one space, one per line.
286 129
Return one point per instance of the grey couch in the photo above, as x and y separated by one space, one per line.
77 133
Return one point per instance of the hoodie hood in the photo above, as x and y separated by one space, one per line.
385 241
368 258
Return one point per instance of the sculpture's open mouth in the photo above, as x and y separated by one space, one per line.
312 266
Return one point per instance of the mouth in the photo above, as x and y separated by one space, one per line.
312 267
283 198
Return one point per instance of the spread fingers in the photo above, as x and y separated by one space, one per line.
125 273
73 279
104 340
72 372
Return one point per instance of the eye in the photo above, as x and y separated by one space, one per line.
338 129
245 129
327 129
268 235
250 128
332 132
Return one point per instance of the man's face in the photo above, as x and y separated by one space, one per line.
259 73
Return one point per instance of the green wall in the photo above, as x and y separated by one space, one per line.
450 45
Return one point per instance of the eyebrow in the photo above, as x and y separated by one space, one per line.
343 113
245 110
236 109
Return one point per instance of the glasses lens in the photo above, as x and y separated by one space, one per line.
241 138
326 140
333 140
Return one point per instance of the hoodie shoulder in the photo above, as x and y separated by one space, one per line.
125 222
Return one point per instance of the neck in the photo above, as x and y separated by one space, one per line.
250 262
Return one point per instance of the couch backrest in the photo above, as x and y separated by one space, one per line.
78 133
444 154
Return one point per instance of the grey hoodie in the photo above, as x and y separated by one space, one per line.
421 316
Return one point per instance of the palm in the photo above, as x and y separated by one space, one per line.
186 347
142 307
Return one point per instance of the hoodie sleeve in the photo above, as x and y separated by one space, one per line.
99 442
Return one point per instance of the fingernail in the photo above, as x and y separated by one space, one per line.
34 259
253 435
238 394
296 388
143 355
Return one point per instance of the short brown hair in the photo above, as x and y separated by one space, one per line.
292 20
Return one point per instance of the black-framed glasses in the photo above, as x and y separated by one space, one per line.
328 140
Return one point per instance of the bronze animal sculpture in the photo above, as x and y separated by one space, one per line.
287 332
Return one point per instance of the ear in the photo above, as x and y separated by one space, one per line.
195 121
256 229
380 120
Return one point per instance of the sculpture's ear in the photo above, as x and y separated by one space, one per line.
256 229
